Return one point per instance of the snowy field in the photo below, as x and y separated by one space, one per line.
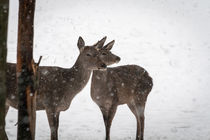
169 38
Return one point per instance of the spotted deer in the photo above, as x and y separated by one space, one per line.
128 84
58 86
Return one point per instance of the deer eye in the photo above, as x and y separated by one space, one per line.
103 53
88 54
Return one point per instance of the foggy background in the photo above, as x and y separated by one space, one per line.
170 39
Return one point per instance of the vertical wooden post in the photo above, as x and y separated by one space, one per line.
25 75
4 12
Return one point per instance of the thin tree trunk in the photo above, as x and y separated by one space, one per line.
4 12
25 75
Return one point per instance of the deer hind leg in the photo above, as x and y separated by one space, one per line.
138 111
108 115
53 119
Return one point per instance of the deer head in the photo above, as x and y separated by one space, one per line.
105 53
89 56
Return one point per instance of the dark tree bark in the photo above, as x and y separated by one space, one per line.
25 73
4 12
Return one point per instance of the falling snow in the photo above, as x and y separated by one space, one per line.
170 39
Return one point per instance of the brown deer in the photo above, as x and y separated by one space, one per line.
58 86
128 84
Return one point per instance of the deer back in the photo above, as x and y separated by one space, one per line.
121 84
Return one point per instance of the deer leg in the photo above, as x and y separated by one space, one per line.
138 111
53 119
108 115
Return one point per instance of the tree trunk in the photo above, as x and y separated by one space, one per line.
25 75
4 12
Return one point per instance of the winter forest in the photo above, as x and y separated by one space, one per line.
104 69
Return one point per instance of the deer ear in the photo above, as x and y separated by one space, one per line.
100 43
80 43
109 45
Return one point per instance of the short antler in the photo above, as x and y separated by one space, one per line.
100 43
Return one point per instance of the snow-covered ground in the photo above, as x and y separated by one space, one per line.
169 38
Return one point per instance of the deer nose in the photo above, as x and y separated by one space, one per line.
103 65
118 59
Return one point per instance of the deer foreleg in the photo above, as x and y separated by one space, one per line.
108 116
53 119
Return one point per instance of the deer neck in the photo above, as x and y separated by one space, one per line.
81 71
79 76
100 75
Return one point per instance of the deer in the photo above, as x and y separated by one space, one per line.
114 86
58 86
